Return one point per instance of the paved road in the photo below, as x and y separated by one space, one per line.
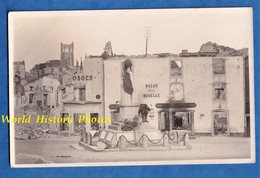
57 149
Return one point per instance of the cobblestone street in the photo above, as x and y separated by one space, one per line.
57 149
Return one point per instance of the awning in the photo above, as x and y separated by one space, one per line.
175 105
114 106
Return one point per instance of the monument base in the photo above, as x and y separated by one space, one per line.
144 128
128 112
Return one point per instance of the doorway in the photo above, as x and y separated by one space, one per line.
94 125
165 121
247 133
64 125
181 121
220 123
177 120
78 126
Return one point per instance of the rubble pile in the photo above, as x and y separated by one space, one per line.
129 125
24 133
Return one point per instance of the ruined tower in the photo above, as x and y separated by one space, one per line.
67 54
107 50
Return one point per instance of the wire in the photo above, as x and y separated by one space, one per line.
178 139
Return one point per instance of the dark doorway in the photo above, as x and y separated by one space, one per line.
247 126
178 122
77 125
94 125
181 121
220 123
30 98
39 103
165 121
64 125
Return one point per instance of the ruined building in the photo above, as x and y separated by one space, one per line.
19 69
107 50
67 54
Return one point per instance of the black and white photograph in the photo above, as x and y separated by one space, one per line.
131 87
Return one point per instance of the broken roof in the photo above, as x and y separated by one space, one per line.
45 75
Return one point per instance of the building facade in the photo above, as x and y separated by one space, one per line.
82 94
42 91
205 92
202 94
38 97
54 67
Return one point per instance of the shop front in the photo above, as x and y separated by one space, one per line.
176 116
220 122
81 114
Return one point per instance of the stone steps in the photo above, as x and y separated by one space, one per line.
113 127
117 123
192 137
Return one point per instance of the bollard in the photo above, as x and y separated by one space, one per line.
84 137
187 141
88 138
122 144
176 137
144 142
81 136
165 141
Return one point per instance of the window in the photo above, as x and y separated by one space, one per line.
63 91
82 94
219 91
18 73
66 49
176 68
16 68
94 125
176 92
45 98
181 121
50 89
52 70
39 103
30 98
57 98
31 88
218 66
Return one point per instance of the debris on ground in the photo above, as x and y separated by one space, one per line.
30 159
102 145
24 133
129 125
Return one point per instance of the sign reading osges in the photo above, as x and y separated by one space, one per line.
82 77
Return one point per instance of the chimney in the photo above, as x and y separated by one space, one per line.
81 64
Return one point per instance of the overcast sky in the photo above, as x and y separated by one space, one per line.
37 35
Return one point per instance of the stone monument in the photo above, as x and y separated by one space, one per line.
127 107
144 128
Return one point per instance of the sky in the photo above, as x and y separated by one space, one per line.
36 36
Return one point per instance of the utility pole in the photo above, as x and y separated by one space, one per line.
147 34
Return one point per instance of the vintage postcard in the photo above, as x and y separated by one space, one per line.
131 87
